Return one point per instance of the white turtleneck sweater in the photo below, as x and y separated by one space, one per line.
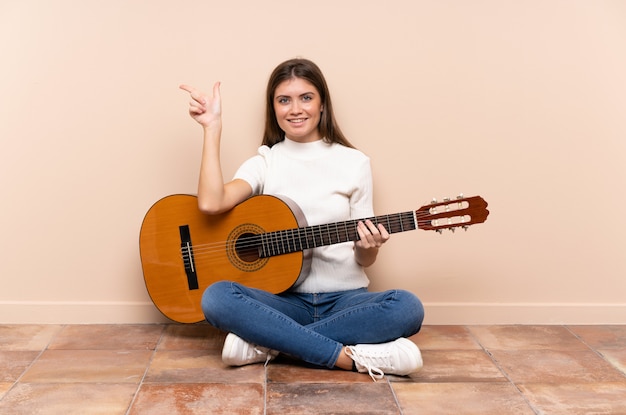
330 183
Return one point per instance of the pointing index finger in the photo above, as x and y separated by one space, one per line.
186 87
194 93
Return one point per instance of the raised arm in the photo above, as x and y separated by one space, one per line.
214 196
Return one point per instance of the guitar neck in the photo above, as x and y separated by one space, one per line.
299 239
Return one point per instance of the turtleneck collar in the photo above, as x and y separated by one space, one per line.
310 150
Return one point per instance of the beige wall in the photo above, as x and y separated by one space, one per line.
522 102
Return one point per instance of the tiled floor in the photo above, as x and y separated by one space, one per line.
176 369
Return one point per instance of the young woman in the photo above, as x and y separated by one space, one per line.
328 319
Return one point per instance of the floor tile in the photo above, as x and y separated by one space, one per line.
107 337
27 337
330 398
14 363
187 399
4 388
444 338
460 399
602 337
285 371
577 399
526 338
456 366
68 399
549 366
109 366
192 337
616 357
197 366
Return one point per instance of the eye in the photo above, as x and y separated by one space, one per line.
282 100
307 98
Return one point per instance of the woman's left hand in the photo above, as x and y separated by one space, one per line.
370 235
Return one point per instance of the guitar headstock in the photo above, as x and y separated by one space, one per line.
452 213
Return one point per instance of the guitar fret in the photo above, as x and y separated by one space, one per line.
289 237
273 245
353 234
293 245
298 247
281 246
292 241
321 235
287 240
275 242
282 242
266 242
306 239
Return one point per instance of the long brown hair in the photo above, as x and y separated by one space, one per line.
309 71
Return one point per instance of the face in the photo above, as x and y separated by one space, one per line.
298 107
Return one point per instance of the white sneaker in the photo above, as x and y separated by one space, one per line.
399 357
238 352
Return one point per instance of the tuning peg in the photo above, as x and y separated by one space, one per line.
452 229
460 196
433 201
439 231
446 199
465 227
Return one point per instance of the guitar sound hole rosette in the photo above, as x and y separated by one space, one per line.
243 246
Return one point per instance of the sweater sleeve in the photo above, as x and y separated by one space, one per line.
361 200
254 170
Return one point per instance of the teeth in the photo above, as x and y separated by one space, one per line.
298 120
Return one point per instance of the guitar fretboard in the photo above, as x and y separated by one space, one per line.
299 239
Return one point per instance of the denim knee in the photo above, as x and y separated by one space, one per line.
215 301
413 311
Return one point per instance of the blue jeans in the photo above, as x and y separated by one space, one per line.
312 327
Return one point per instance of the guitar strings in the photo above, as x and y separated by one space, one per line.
286 238
308 231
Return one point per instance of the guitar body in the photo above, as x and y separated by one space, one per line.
183 251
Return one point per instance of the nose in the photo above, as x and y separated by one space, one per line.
295 107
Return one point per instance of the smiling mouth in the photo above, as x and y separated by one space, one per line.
298 120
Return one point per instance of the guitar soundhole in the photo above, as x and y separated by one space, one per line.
243 247
247 247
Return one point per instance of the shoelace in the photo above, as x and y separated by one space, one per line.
268 354
367 362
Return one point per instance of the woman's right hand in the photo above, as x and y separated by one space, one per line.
204 109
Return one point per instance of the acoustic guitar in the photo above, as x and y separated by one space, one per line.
263 242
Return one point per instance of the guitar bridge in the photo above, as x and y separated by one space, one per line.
186 248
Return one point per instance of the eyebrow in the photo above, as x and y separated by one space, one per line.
289 96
